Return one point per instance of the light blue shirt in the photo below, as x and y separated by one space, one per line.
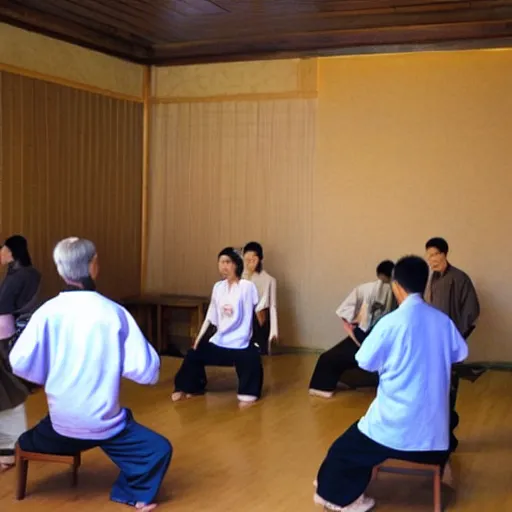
412 349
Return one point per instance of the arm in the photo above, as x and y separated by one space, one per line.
141 363
29 357
251 301
458 345
469 307
211 319
349 308
374 351
274 329
9 290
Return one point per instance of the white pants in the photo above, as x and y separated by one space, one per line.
13 423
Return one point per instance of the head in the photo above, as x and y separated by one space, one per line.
76 260
253 257
385 271
437 254
15 249
231 265
410 276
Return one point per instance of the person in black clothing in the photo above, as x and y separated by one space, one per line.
18 300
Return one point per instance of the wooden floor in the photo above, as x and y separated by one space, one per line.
265 458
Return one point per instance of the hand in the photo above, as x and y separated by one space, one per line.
349 328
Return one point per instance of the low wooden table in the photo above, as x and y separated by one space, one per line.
154 304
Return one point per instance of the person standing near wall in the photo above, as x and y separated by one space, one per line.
451 291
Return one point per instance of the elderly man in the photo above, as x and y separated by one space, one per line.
78 346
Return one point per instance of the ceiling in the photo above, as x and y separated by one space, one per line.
164 32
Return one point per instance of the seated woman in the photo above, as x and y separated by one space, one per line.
231 311
80 359
18 300
359 312
265 329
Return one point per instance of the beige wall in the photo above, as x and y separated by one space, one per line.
67 63
407 147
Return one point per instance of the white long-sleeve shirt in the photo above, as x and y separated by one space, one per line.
78 346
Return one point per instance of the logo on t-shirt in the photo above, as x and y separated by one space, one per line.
227 310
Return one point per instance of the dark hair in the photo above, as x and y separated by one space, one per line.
235 258
385 268
258 249
411 273
18 246
438 243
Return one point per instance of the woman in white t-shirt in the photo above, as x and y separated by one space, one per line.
231 312
265 326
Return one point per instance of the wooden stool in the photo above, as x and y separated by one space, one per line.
402 467
23 458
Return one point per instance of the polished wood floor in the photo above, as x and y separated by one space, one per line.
265 458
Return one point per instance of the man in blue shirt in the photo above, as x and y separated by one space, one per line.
412 349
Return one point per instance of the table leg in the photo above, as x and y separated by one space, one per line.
159 341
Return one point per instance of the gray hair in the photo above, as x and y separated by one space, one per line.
72 256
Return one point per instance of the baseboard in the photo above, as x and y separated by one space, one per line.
284 349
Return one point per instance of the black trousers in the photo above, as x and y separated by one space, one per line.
191 377
454 417
143 456
347 469
334 362
260 334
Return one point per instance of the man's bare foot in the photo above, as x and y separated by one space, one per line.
7 462
180 395
5 467
321 394
145 508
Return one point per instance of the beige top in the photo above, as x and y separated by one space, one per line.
266 286
366 304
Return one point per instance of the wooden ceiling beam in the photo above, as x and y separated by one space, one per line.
333 42
72 32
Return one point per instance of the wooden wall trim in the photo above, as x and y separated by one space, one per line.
146 146
239 97
67 83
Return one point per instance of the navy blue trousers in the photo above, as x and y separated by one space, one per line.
143 456
347 469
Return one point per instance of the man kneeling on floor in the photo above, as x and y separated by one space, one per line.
78 346
413 349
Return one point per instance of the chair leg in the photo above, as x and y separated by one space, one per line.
21 475
74 469
438 507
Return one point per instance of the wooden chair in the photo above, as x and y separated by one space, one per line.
412 468
23 458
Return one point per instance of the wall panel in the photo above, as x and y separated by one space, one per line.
71 165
